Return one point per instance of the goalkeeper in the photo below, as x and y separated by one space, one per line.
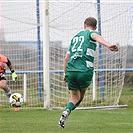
78 64
3 81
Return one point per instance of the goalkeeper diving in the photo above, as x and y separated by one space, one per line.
3 81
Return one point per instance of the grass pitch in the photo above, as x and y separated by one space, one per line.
80 121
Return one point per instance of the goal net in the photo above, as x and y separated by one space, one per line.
66 19
21 31
21 35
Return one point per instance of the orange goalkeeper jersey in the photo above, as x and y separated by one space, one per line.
3 60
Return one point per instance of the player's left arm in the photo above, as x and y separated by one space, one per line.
101 40
14 75
3 58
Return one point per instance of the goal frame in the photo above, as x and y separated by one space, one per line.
41 82
46 77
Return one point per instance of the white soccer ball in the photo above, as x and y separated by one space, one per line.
16 100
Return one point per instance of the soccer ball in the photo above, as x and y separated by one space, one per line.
16 100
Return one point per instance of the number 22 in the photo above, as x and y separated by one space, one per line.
76 40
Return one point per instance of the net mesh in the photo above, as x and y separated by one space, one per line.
109 83
21 41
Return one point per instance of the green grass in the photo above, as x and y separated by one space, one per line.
127 96
80 121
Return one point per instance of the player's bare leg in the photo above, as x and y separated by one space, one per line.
75 97
4 86
82 92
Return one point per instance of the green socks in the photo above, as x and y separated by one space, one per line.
69 106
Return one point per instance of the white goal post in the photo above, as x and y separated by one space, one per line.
35 35
105 92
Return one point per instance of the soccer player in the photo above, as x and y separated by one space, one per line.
78 64
3 81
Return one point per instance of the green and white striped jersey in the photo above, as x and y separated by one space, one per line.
81 50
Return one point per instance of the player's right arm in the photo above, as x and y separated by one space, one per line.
100 39
65 63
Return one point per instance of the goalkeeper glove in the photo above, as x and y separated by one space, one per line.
14 76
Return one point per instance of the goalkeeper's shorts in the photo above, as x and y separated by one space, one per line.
2 76
78 80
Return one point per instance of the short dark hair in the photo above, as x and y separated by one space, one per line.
90 21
